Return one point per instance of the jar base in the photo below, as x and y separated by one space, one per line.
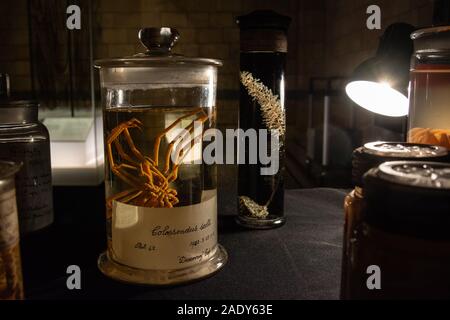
123 273
253 223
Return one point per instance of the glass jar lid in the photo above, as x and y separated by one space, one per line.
18 111
409 198
404 150
373 154
159 43
433 175
432 39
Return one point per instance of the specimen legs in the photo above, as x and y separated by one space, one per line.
154 191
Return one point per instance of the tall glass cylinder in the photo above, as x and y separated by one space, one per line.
161 197
262 109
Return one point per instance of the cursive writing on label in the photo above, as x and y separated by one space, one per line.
169 231
161 238
144 246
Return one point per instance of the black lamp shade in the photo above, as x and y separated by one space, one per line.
387 73
392 60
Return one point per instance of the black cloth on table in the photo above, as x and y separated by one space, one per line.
301 260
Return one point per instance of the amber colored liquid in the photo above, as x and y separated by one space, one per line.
439 137
193 177
352 209
11 287
429 105
411 268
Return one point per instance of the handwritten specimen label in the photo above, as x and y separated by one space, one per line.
163 238
9 223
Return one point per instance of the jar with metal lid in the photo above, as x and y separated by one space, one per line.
24 139
401 247
364 158
161 193
11 286
429 118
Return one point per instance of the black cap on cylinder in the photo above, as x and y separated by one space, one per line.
264 19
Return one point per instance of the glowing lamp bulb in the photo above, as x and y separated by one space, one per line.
379 98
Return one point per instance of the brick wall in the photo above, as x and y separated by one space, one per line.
348 40
207 29
327 37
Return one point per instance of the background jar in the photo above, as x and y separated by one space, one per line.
24 139
429 118
403 232
364 158
11 286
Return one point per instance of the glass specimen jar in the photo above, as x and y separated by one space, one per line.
429 120
11 286
263 47
364 158
161 195
403 235
26 140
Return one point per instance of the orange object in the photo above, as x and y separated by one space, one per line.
430 136
150 184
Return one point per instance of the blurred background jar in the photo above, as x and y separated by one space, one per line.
365 158
403 234
429 120
26 140
11 286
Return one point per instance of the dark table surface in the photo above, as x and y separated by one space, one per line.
301 260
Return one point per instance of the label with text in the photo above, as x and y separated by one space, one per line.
9 223
165 238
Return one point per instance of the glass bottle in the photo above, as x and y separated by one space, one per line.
429 120
403 233
11 286
364 158
262 106
161 194
26 140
